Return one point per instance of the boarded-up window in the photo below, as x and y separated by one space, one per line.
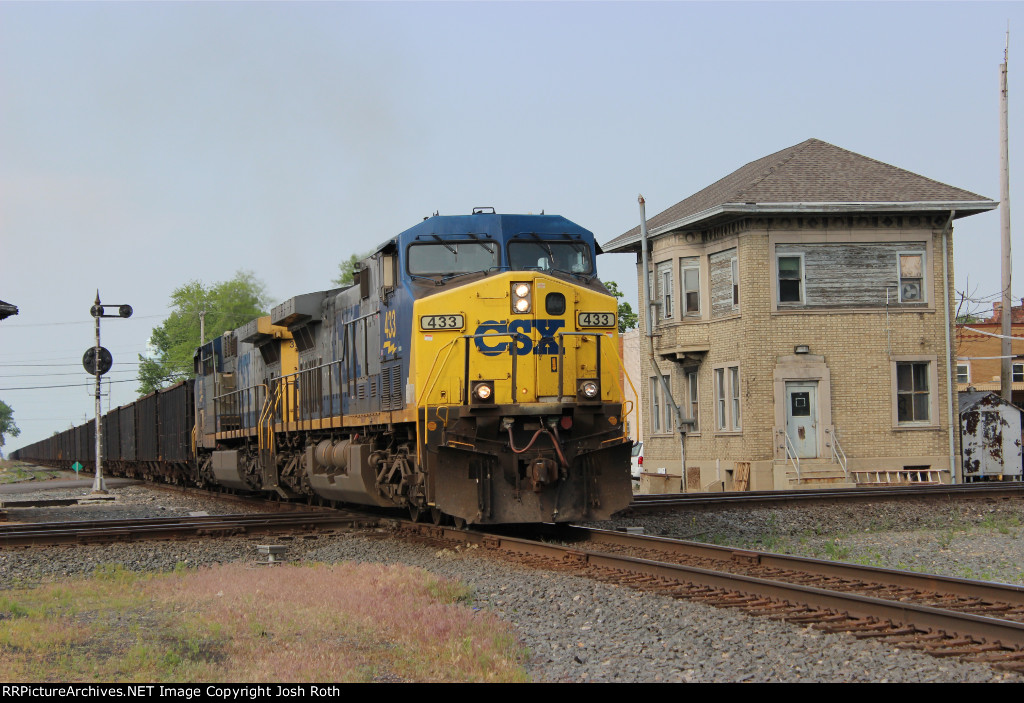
851 274
723 288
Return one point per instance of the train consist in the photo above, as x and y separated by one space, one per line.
471 370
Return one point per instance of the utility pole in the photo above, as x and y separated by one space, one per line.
1006 349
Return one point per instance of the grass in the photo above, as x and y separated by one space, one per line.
293 623
13 472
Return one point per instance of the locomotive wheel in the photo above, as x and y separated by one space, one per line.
415 513
436 516
460 522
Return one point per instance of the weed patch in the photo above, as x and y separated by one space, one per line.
291 623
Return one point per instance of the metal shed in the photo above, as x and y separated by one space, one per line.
990 436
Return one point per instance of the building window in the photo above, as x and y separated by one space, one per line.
661 408
1018 373
691 383
664 285
913 398
963 373
791 279
690 268
734 383
727 399
911 281
655 405
735 264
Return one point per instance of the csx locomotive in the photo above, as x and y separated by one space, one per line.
471 371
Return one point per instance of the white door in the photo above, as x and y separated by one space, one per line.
802 417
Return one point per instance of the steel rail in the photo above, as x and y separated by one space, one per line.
1005 633
1009 594
166 528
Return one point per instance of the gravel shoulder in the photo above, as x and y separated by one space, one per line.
968 538
579 630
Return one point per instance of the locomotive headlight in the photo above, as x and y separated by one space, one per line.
483 392
589 389
522 298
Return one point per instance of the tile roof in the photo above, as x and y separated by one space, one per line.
812 172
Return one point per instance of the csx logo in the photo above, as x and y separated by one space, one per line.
493 346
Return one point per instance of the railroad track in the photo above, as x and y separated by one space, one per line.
106 531
945 617
665 501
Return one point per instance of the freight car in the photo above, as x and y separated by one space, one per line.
471 370
149 439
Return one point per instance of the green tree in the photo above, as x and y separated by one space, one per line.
627 318
347 268
225 306
7 425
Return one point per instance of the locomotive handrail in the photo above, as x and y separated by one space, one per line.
247 403
636 396
561 358
264 427
293 400
515 337
618 357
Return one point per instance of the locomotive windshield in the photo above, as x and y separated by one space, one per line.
444 258
570 257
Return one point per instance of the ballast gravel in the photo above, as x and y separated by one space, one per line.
577 630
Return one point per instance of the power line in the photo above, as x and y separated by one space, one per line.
116 363
60 373
60 324
68 385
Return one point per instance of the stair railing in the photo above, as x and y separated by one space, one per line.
791 453
838 455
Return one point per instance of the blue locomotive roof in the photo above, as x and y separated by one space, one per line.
499 227
535 239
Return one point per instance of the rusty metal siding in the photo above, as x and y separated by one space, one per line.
853 275
990 433
721 283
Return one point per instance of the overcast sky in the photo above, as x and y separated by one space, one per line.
146 144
